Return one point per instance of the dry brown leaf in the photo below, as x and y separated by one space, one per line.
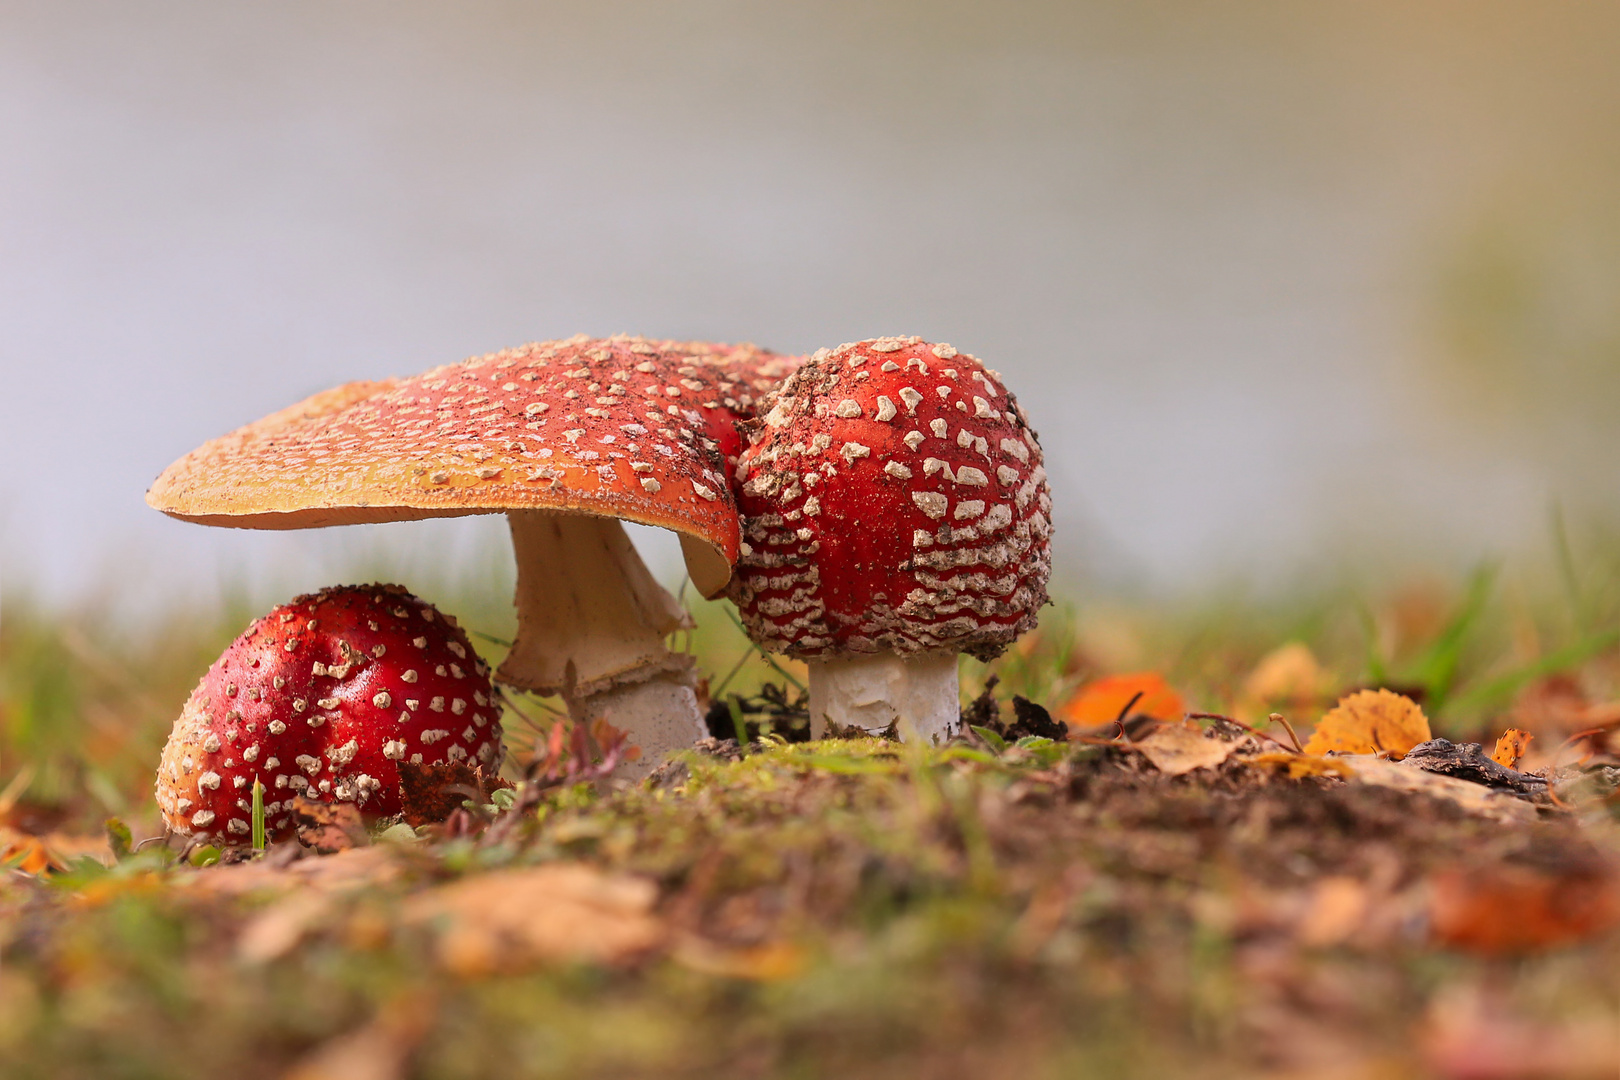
1475 798
357 868
1101 701
1502 909
1289 673
328 827
1370 721
563 911
1555 706
1175 749
1510 747
431 793
273 932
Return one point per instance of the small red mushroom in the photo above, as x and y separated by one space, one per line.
323 697
896 513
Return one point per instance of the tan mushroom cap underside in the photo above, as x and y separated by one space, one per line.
617 427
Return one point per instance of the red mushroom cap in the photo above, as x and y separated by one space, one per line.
323 696
618 427
893 500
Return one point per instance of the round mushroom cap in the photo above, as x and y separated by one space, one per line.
325 697
618 427
894 500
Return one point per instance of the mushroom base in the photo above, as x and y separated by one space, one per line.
660 714
916 695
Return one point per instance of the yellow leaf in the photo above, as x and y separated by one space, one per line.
1299 765
1369 721
1100 702
1511 747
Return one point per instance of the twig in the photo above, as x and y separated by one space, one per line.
725 682
1246 727
1119 723
763 655
1278 718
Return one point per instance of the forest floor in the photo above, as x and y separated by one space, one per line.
1172 895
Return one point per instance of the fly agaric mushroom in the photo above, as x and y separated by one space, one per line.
565 438
324 697
896 513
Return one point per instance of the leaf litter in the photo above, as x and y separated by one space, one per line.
1135 895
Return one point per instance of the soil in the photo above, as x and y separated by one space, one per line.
856 908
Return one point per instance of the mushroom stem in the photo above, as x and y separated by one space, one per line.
591 626
916 694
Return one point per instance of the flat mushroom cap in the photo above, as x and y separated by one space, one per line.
618 427
894 500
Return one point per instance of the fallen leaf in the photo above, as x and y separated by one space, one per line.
1504 909
1510 747
1287 674
1370 721
1101 701
1300 765
506 919
345 871
1175 749
431 793
1554 705
53 851
273 932
328 827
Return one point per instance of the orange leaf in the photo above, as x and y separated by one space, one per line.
1369 721
55 851
1511 747
1100 702
1510 909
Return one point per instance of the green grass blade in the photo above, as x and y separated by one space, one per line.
1492 694
258 816
739 726
1436 669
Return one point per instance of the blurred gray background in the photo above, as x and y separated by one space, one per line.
1284 285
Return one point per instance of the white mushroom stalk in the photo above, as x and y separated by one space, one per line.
915 696
592 624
